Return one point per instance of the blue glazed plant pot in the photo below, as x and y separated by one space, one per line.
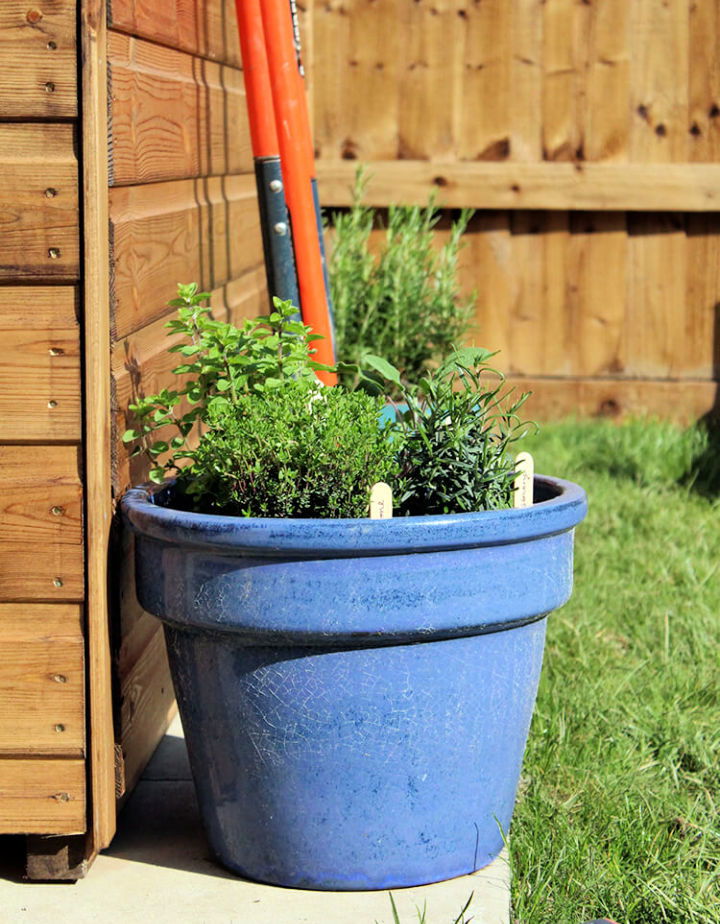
356 694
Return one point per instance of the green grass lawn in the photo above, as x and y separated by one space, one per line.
618 807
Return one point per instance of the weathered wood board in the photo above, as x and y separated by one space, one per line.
172 115
202 27
38 48
40 386
42 796
42 680
41 540
207 231
39 218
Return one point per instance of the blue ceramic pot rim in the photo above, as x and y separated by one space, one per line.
561 506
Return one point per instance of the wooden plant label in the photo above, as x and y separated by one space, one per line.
523 484
381 504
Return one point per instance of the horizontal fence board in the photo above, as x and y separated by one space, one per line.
554 398
41 546
207 231
173 116
45 796
42 682
39 218
203 27
38 48
560 186
40 392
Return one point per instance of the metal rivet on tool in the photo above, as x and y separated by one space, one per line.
280 228
276 186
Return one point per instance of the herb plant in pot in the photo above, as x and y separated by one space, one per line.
356 693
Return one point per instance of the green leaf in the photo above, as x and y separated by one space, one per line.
130 435
382 366
157 475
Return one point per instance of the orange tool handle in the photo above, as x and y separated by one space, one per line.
293 131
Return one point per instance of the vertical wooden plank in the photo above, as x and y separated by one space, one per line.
484 126
525 80
372 74
655 339
331 94
702 311
564 31
704 81
430 82
558 323
606 109
659 77
598 292
486 265
97 415
527 333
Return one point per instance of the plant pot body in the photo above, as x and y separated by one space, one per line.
356 694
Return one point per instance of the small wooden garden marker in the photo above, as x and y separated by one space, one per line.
381 503
523 484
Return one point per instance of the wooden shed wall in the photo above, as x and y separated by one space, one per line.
42 580
588 137
182 208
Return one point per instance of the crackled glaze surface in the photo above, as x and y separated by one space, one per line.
356 694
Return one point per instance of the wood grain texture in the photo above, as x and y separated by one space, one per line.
38 46
40 392
207 28
41 540
101 775
42 796
558 186
704 82
39 217
564 53
605 110
659 80
485 83
146 699
42 680
204 230
173 115
526 80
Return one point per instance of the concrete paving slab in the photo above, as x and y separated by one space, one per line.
159 869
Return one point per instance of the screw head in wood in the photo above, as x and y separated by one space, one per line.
52 46
49 87
53 253
59 678
56 351
58 582
61 797
52 404
59 727
57 511
34 16
50 193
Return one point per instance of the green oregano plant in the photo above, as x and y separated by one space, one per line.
221 362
